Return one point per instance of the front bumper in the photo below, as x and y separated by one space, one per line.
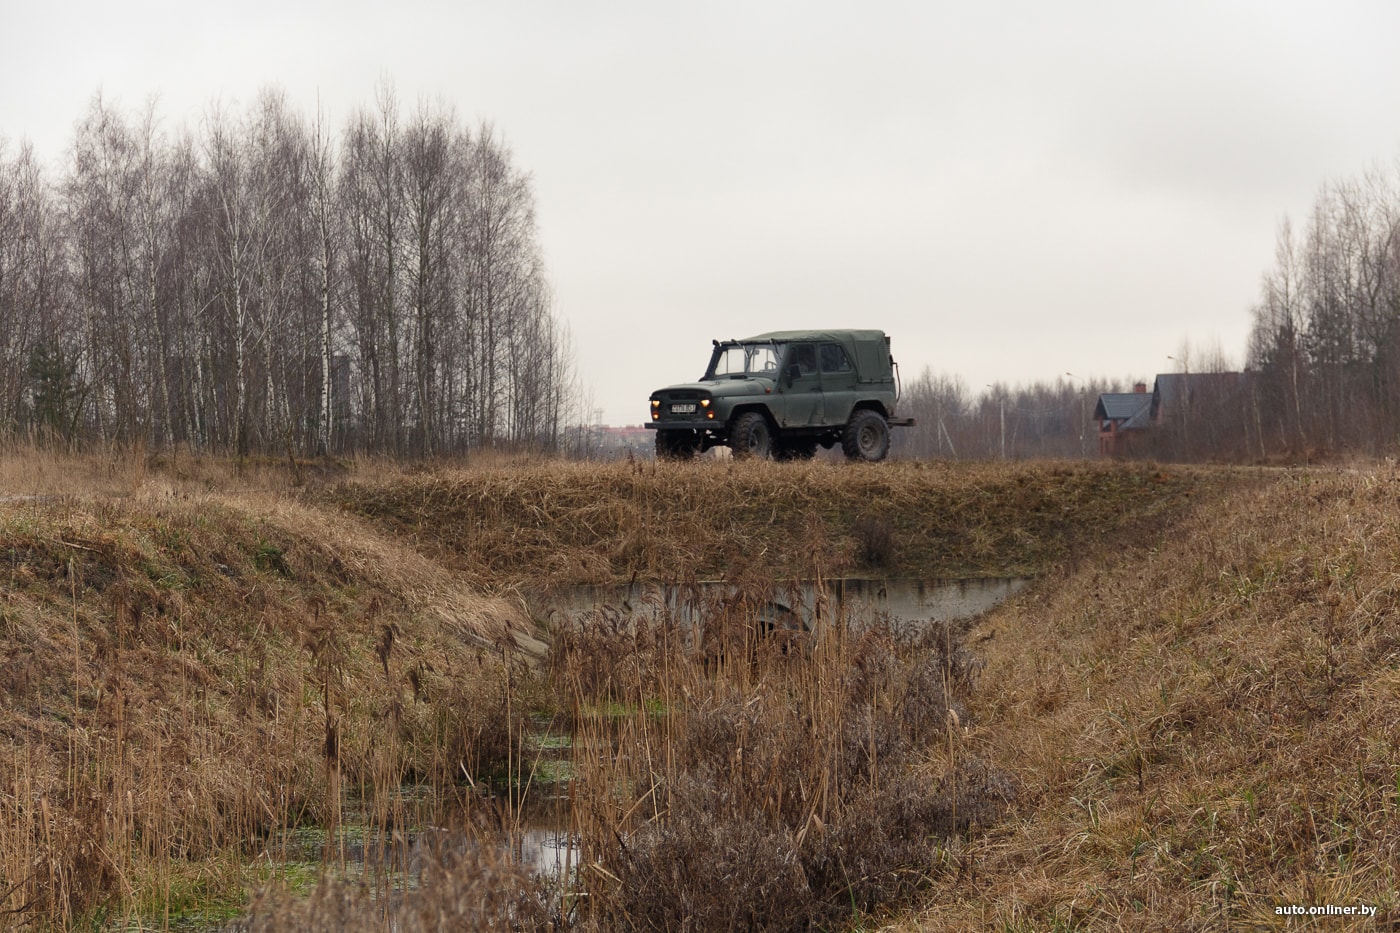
676 424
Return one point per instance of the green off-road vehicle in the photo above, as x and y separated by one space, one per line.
783 393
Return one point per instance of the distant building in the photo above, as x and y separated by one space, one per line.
605 442
1176 395
620 441
1187 416
1121 418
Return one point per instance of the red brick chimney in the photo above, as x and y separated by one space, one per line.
1140 388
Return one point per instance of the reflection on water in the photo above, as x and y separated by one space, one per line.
549 852
535 835
904 602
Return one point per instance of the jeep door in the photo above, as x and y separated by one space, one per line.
838 375
800 388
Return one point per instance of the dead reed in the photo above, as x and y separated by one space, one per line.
723 777
187 678
729 778
1206 724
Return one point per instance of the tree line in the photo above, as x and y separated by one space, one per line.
1036 420
1324 347
262 284
1321 375
1207 413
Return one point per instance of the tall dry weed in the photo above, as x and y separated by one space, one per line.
785 788
186 681
469 886
200 655
1207 722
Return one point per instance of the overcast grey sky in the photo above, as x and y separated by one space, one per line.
1012 190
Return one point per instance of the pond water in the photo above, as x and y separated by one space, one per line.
539 839
904 602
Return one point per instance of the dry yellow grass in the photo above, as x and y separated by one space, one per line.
190 665
1206 726
562 523
1198 702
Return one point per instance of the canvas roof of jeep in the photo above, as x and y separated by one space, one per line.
872 355
836 336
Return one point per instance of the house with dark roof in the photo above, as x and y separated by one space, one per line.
1122 417
1187 416
1174 395
1200 415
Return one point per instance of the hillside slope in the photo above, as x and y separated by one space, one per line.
570 523
1206 727
184 677
190 665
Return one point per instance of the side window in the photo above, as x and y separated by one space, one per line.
834 359
765 359
805 356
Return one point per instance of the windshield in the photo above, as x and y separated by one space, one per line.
747 359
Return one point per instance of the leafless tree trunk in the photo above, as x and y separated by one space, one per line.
324 207
196 291
430 177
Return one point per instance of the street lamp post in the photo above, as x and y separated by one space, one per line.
1185 403
1083 418
1002 400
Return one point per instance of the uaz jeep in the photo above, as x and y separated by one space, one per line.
781 394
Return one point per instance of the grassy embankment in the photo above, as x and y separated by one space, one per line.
1205 727
181 649
761 783
191 664
196 659
560 524
1200 716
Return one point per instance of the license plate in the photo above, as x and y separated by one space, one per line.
683 408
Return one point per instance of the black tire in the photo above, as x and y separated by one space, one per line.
676 445
750 436
867 436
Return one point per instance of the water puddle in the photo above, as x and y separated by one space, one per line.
905 603
532 833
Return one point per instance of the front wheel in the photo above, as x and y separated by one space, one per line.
751 437
867 436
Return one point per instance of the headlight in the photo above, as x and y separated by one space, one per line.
704 403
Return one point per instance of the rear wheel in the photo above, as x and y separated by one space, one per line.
750 436
867 436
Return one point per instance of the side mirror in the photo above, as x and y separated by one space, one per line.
793 371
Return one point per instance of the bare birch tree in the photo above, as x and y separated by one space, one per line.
250 286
